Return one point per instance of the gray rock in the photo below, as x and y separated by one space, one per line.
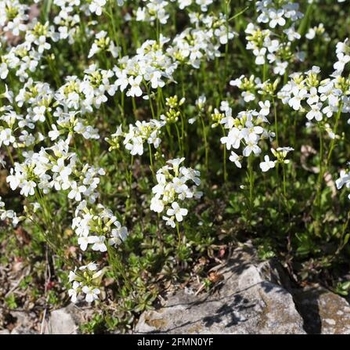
250 301
25 323
62 321
324 312
67 320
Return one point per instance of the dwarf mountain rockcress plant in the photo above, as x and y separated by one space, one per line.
88 80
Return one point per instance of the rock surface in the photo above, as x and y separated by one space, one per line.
323 311
62 321
250 301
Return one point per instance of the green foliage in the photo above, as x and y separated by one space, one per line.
342 288
10 301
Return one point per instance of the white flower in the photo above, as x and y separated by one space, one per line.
157 205
28 188
134 89
251 147
178 212
204 4
96 6
235 158
72 276
54 133
6 137
260 55
98 243
344 179
276 17
169 221
73 292
233 139
83 241
267 164
90 266
175 164
118 234
315 112
91 293
265 107
3 71
184 3
191 174
134 145
299 95
76 191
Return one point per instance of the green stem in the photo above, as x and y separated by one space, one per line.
336 124
304 25
47 10
249 198
151 161
157 30
284 181
178 232
224 156
149 94
251 180
180 139
321 165
9 154
128 201
206 146
317 206
286 202
133 104
276 120
171 139
183 135
112 18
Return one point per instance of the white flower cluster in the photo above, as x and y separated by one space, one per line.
202 41
67 21
252 86
83 95
150 64
13 16
97 227
172 189
277 15
9 215
137 135
23 58
103 43
306 92
318 31
270 47
155 10
153 64
244 130
86 7
85 280
55 168
280 154
140 132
